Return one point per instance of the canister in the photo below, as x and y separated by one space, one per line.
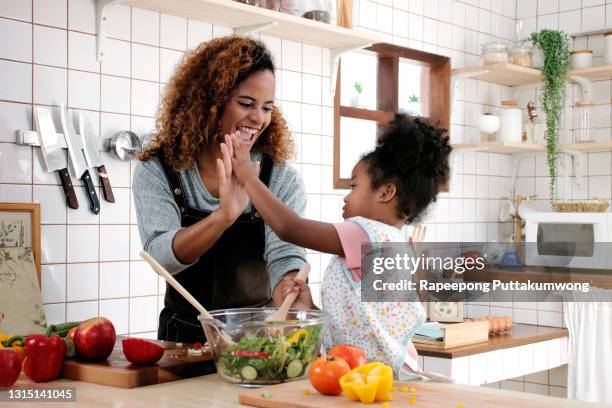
511 122
581 59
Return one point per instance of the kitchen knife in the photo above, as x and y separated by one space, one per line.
53 154
93 157
77 158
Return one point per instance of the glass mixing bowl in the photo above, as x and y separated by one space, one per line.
259 352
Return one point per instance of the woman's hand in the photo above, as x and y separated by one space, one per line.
232 195
244 169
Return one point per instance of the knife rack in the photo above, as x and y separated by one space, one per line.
30 138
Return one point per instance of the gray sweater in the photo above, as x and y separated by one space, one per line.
159 216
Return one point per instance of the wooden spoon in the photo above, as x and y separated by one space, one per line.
281 314
161 271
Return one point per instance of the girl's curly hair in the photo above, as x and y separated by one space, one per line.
188 120
412 155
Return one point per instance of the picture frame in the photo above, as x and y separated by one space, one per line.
20 227
445 312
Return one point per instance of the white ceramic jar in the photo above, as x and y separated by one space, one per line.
581 59
511 123
608 48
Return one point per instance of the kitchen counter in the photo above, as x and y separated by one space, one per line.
212 392
520 334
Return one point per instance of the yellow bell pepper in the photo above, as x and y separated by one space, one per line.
368 383
295 336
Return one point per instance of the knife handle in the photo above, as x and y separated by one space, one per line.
71 199
106 187
90 191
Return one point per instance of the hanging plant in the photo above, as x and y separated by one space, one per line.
555 45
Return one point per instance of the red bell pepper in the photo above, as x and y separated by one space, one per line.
44 357
10 367
249 353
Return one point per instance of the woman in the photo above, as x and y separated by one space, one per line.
199 226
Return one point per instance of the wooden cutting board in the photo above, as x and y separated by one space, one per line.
427 395
116 371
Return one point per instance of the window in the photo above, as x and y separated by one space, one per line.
372 85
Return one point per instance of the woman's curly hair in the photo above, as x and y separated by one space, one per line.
188 121
412 155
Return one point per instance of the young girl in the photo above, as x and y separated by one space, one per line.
390 187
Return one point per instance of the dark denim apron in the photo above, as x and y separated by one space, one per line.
231 274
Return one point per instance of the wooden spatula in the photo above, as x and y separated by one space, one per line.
281 314
161 271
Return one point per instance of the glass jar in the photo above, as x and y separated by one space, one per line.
495 52
271 4
537 57
583 113
511 122
317 10
520 54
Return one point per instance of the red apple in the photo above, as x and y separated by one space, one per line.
94 339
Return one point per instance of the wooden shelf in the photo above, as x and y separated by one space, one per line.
503 74
593 74
500 147
238 15
515 148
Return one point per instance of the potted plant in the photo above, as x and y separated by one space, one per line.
555 45
414 106
358 88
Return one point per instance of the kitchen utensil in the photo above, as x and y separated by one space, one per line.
288 352
93 157
281 314
116 371
53 154
161 271
124 144
77 158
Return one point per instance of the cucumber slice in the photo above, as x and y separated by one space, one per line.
294 368
248 373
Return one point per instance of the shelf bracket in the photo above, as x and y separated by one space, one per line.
516 160
580 166
102 7
585 87
255 28
459 77
334 63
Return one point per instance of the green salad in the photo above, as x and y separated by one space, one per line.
267 357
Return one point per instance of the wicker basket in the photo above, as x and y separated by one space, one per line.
581 206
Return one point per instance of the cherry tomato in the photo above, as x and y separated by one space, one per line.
325 374
354 356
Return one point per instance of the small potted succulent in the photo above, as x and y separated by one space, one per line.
414 106
358 89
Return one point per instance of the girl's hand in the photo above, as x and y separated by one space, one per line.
304 299
232 195
243 167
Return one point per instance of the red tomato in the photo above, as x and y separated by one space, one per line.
142 352
10 367
325 374
354 356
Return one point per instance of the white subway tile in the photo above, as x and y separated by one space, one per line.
526 8
117 212
173 32
311 119
114 242
115 94
168 61
145 97
311 89
591 3
221 31
53 283
16 81
55 313
82 282
415 28
550 21
77 311
15 193
384 19
82 16
53 204
20 10
119 18
15 40
15 163
51 12
291 84
135 243
116 58
570 21
143 280
593 18
114 280
197 33
53 243
83 90
291 55
14 116
145 62
569 5
50 46
117 311
50 85
83 242
82 52
143 314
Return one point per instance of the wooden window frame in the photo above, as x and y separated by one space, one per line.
435 94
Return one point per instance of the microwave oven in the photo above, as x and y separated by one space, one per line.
573 240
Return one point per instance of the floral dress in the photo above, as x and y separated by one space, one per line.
382 329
